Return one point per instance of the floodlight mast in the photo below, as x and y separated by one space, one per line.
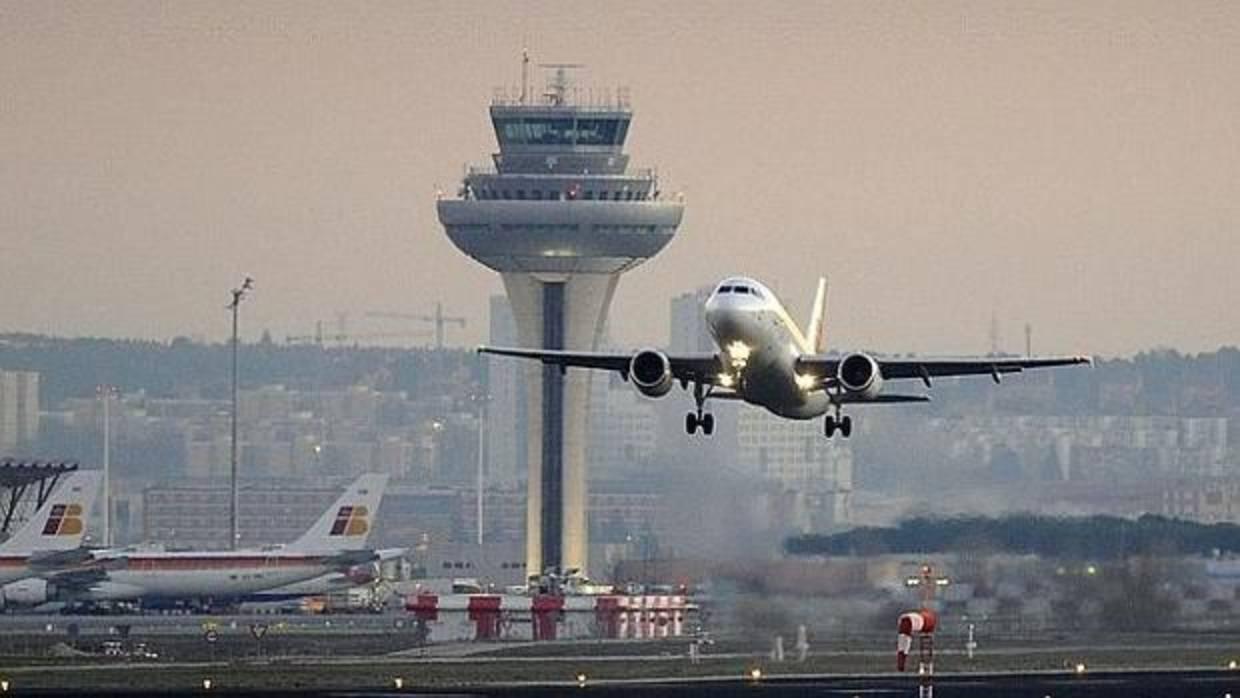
238 294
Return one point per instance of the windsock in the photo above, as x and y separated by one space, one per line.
922 621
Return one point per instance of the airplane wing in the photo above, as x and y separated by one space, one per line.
685 367
78 579
926 369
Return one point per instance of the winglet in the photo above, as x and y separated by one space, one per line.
816 330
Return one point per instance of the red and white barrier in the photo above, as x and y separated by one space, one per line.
914 622
484 617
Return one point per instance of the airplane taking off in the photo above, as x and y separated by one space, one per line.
765 359
52 535
336 541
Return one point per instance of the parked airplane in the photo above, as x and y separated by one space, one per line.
766 360
338 580
52 536
336 541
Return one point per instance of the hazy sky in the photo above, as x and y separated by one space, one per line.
1075 165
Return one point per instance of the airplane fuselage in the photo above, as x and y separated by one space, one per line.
220 575
759 345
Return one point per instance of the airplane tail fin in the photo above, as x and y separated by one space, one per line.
60 523
816 330
347 523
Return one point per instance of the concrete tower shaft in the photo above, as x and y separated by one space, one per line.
560 215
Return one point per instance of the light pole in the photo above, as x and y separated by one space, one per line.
106 393
482 398
238 294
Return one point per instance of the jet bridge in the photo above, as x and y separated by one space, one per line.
25 486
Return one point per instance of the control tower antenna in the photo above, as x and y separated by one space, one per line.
525 75
557 88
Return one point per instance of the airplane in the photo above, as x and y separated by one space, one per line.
336 541
52 536
765 359
338 580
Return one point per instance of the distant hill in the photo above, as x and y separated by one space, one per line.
74 367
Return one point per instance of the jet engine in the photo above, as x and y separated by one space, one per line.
31 591
651 372
859 374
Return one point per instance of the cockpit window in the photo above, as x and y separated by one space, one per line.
725 289
742 289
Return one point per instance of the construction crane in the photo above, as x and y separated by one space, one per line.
319 337
439 320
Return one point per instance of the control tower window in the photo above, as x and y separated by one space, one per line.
560 131
535 131
598 131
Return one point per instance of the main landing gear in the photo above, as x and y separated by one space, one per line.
833 422
698 418
694 420
836 422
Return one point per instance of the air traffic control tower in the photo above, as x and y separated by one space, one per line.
560 216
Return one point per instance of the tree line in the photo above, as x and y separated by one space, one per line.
1085 538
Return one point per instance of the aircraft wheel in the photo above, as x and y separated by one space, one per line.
708 424
828 426
846 426
691 423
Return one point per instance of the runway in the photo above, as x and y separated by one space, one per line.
1123 684
1129 684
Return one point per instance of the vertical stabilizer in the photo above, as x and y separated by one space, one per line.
347 523
61 522
816 330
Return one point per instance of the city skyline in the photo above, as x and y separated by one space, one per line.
1069 166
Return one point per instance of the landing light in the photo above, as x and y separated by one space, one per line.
805 382
1232 664
581 679
738 351
1080 667
206 684
4 685
755 673
726 380
398 682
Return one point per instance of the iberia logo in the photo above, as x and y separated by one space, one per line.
351 521
64 520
